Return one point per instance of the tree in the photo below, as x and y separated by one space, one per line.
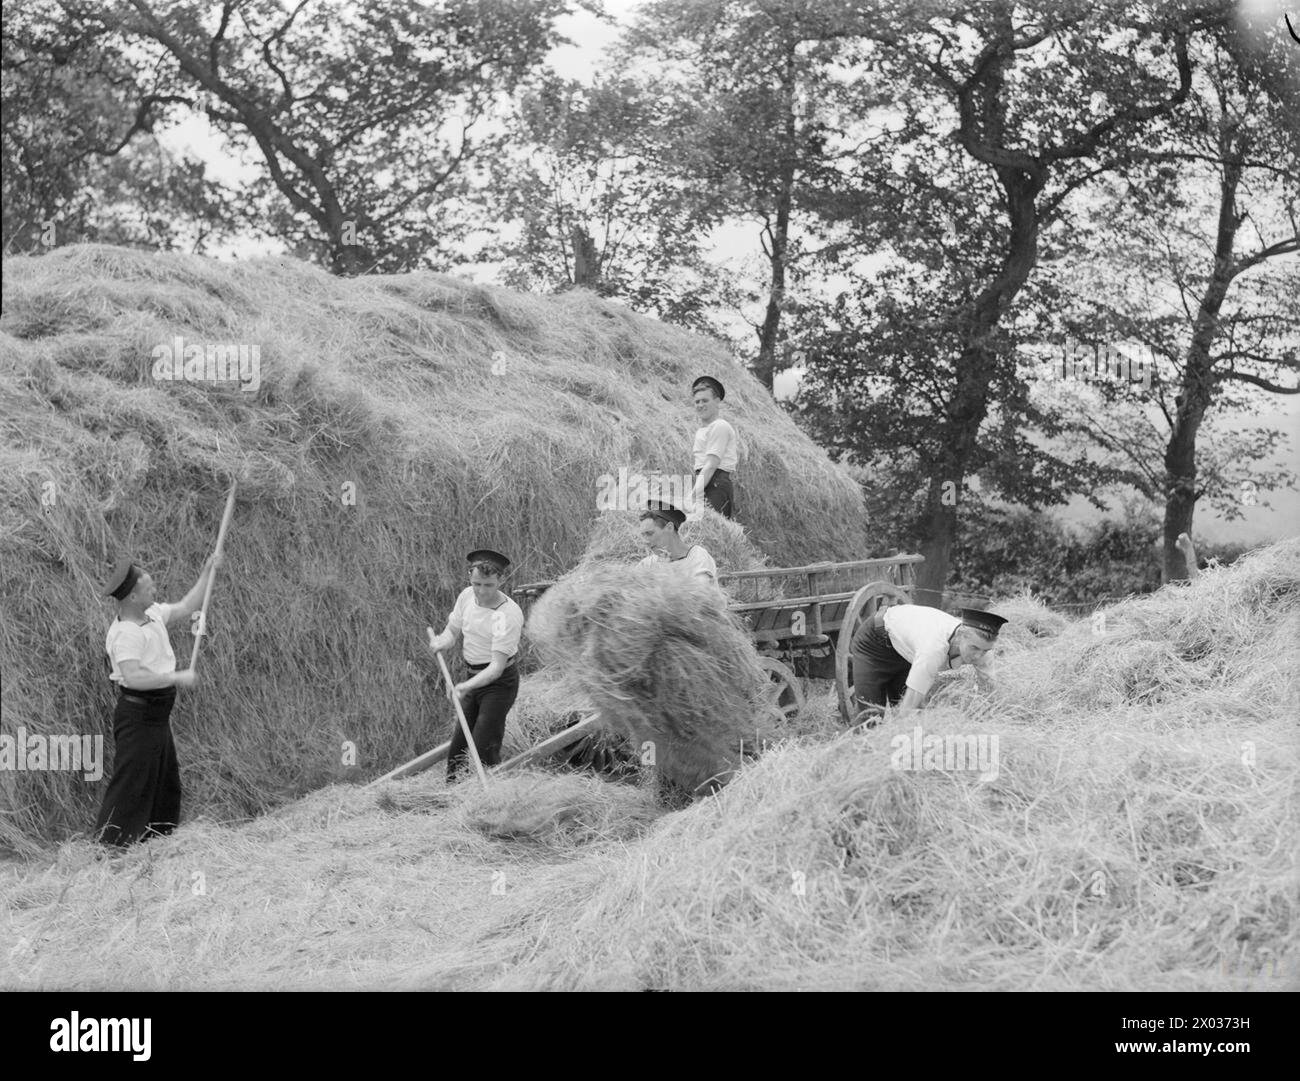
755 136
366 116
1208 212
1041 98
80 160
594 205
1247 134
883 371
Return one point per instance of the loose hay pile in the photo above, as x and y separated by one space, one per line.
354 510
663 661
547 703
1145 843
557 809
1029 622
1221 648
1138 830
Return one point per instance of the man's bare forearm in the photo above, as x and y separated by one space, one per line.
483 678
442 641
148 681
912 700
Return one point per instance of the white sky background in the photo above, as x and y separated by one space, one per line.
737 246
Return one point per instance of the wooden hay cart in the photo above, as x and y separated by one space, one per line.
806 631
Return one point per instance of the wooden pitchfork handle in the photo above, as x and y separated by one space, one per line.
460 713
202 631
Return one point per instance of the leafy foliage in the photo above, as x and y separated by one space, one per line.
79 158
367 117
595 205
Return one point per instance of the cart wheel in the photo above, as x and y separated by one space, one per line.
866 602
784 695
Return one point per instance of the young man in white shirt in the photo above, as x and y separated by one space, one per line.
716 449
144 794
658 527
490 625
899 652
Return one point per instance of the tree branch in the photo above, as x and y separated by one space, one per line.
1255 380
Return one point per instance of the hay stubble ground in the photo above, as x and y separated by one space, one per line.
1140 834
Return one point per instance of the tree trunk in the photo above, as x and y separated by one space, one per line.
975 371
1180 496
349 260
980 354
779 236
769 332
586 260
941 535
1198 377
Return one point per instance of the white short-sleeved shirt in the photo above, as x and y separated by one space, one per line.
484 631
129 641
717 438
696 563
922 635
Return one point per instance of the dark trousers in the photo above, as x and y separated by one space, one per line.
144 795
719 494
485 710
879 670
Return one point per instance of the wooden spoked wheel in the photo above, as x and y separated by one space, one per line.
866 602
784 694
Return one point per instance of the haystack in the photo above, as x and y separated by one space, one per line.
663 661
396 422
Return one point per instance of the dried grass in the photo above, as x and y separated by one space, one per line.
1142 843
384 384
664 663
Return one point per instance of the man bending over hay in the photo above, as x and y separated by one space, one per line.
490 623
899 652
144 795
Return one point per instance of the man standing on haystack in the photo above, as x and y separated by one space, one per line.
490 625
716 449
899 652
144 795
659 527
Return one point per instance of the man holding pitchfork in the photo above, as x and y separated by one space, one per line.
144 795
490 625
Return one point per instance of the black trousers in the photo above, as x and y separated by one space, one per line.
485 710
719 493
144 795
879 670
